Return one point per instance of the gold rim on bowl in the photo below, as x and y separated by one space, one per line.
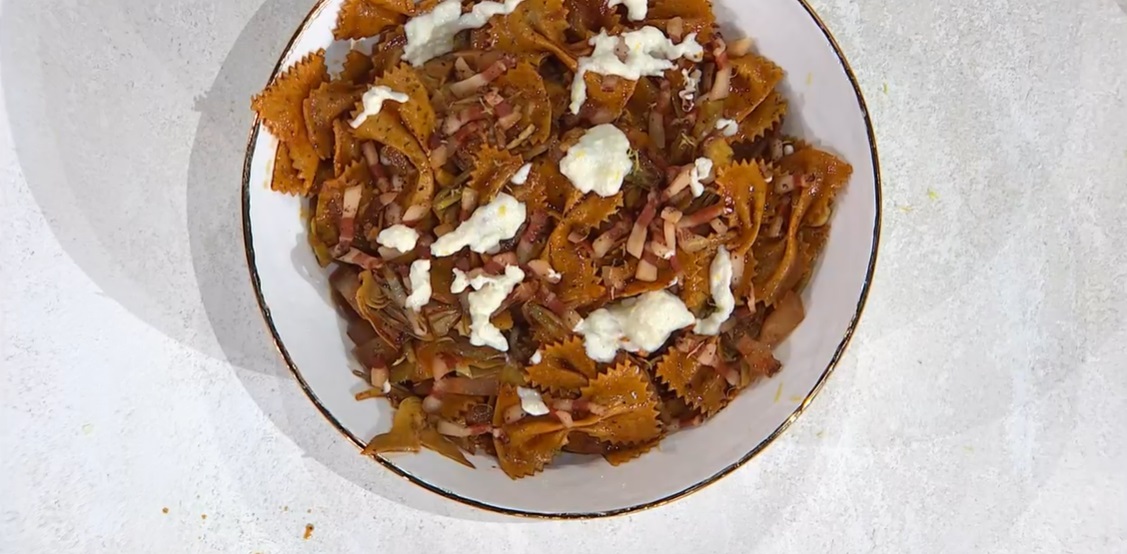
248 244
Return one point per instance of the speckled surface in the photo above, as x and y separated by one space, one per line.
981 406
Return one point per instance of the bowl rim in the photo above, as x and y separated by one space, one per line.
248 245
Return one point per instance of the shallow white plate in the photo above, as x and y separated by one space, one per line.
826 108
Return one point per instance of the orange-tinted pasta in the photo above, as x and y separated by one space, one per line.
489 124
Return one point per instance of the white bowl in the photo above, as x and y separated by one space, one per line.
826 108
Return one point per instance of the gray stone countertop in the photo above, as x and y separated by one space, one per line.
980 408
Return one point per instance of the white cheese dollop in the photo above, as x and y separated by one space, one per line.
420 285
460 283
728 127
432 34
692 81
649 53
599 161
640 324
521 176
635 9
702 169
399 237
720 283
490 292
490 224
536 358
531 402
373 102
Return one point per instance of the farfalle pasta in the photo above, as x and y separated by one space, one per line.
553 225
